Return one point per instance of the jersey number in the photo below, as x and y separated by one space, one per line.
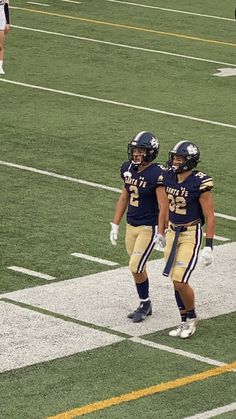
134 196
177 204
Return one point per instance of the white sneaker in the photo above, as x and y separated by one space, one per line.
189 328
177 332
1 71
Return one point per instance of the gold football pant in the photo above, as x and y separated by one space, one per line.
139 244
187 250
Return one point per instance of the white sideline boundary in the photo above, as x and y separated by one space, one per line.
116 103
72 1
171 10
166 348
189 57
214 412
31 273
94 259
85 182
38 4
105 298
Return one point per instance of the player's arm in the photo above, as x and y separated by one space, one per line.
121 206
206 202
163 205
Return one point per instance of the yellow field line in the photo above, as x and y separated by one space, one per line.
136 28
134 395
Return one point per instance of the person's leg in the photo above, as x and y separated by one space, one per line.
1 50
139 244
185 262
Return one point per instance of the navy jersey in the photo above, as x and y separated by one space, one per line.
141 187
184 205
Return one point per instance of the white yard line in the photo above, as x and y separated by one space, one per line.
116 103
93 259
108 308
177 351
214 412
189 57
57 176
171 10
227 217
31 273
39 4
72 1
84 182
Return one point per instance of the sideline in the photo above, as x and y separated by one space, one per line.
98 41
116 103
148 391
85 182
214 412
171 10
136 28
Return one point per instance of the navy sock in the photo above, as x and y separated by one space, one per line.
191 314
181 306
143 290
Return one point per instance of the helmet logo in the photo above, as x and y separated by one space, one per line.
192 150
153 142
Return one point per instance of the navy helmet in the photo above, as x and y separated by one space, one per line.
147 141
189 151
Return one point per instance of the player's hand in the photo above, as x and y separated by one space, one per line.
160 242
207 256
114 233
7 28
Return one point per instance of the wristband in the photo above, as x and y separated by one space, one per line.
209 243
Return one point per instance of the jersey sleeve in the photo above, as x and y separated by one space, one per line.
161 175
205 182
124 169
206 185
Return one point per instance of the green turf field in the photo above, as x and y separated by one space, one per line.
81 79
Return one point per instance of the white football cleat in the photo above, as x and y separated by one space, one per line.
189 328
176 332
1 71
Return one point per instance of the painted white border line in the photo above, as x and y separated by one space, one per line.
227 217
214 412
113 102
39 4
170 10
165 348
93 259
57 176
31 273
83 182
189 57
72 1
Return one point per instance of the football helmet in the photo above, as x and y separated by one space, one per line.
147 141
189 151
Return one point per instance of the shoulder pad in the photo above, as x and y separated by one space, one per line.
206 182
163 168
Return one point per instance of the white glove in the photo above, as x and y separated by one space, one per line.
160 243
114 233
207 256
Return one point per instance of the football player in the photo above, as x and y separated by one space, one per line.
190 207
144 198
4 28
